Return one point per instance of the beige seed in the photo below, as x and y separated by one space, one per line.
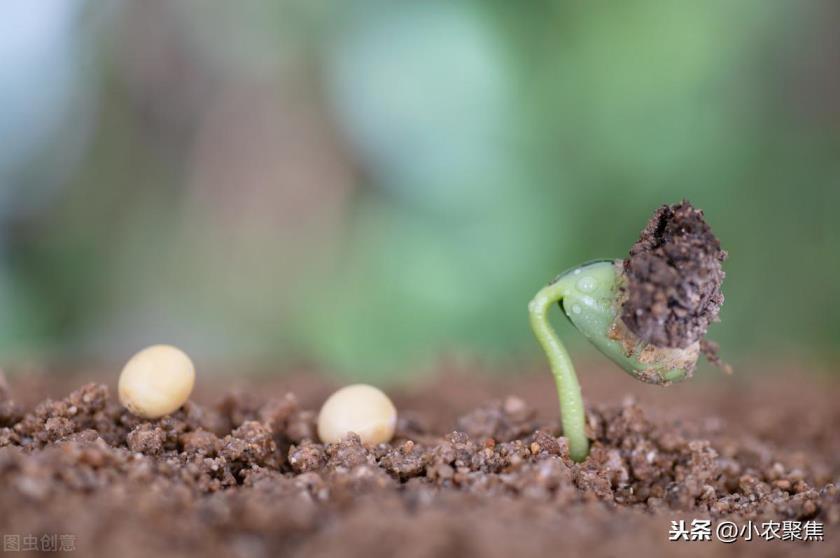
359 408
156 381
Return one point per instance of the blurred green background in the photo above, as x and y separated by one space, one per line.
371 185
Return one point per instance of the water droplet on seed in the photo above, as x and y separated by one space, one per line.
576 309
587 284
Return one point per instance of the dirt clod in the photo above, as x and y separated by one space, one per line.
674 278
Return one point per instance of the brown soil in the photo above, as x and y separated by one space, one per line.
473 471
674 277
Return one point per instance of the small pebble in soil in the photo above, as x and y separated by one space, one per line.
361 409
156 381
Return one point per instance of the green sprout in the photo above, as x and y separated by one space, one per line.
592 296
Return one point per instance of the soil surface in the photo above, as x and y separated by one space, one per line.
674 278
479 467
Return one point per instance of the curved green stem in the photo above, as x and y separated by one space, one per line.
568 389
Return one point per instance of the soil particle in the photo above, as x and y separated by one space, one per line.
674 278
200 442
500 420
405 461
147 439
348 453
251 444
307 457
52 420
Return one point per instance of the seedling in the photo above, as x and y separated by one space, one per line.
647 313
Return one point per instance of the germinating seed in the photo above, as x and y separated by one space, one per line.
359 408
156 381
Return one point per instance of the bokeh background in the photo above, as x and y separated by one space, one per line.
372 186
